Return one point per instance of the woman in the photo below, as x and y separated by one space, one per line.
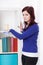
29 36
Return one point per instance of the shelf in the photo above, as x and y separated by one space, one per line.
8 52
2 36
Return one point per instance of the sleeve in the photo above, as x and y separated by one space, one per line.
30 31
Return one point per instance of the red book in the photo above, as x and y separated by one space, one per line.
14 44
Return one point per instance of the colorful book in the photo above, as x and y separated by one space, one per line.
0 45
14 44
5 44
9 44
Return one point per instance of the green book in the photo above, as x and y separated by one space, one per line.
9 44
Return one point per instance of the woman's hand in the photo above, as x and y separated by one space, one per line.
21 27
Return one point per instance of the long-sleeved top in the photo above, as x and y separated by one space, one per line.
29 37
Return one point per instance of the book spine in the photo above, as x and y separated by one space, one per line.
14 45
0 45
9 44
4 44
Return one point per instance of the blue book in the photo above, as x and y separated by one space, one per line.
5 44
0 45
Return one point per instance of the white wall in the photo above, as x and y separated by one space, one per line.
18 5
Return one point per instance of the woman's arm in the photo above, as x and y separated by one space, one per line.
30 31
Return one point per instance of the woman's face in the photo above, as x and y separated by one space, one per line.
26 16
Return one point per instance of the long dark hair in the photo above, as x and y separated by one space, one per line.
30 10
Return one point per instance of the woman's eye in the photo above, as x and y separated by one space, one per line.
26 14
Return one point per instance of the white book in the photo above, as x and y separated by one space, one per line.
0 45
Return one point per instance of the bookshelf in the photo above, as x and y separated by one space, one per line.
9 53
7 21
8 42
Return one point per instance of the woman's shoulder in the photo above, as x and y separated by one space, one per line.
35 25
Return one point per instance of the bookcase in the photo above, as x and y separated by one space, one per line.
8 43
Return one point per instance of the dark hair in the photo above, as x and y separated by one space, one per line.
30 10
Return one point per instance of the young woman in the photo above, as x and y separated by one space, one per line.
29 36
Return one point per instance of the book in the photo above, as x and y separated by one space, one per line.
5 44
14 44
0 45
9 44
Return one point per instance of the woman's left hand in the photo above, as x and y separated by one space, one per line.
21 26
